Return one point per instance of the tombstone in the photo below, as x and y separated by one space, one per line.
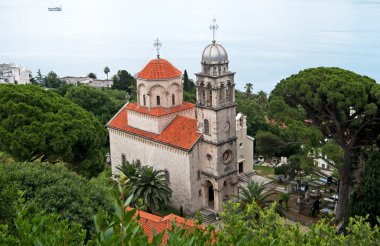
289 188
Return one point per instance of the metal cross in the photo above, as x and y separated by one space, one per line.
158 45
213 27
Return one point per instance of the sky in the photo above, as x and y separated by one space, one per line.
266 40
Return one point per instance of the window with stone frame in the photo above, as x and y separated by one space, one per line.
173 99
206 126
167 175
144 100
158 101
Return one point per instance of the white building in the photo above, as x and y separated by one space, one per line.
98 83
202 147
14 74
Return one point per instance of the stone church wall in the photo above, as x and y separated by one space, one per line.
160 156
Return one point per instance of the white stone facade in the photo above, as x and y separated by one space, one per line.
14 74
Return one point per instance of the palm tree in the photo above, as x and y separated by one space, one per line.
130 170
106 71
254 192
152 187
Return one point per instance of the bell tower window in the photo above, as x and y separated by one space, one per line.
158 101
173 99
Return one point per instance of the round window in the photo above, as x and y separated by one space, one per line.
227 156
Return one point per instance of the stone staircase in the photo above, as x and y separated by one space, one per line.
208 216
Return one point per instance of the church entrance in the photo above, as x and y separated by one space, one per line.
209 196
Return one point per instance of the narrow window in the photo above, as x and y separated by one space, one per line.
173 99
167 176
123 158
206 127
210 97
200 193
158 100
199 174
144 100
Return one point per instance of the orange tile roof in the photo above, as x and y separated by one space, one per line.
160 111
181 132
149 221
158 69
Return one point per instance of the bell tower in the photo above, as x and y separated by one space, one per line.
216 113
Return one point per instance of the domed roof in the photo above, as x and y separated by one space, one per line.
214 54
159 69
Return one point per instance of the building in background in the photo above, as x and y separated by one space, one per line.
97 83
14 74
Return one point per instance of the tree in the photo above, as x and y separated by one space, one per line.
248 89
106 71
131 171
188 84
94 100
40 77
254 192
55 189
365 198
39 124
51 80
345 107
152 187
124 81
91 75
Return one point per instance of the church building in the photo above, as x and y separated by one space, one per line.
203 147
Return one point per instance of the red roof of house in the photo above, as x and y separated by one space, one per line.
158 69
149 221
160 111
181 132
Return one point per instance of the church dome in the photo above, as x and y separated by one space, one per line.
214 54
158 69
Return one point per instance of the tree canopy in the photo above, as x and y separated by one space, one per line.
346 108
124 81
94 100
40 124
55 189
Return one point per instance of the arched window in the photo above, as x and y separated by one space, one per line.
158 100
167 175
144 100
123 158
173 99
206 127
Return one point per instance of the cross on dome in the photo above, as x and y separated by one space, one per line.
158 45
213 27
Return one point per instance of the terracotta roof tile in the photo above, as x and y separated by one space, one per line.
160 111
149 221
181 132
159 69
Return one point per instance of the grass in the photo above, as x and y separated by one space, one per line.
264 170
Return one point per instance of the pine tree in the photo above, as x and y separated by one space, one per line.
365 199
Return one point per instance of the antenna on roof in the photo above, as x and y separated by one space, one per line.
158 45
213 27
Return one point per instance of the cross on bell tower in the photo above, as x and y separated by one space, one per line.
158 45
213 27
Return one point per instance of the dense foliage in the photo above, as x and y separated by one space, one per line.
365 199
123 80
94 100
39 124
346 108
53 188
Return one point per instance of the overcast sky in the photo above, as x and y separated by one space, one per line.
266 40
